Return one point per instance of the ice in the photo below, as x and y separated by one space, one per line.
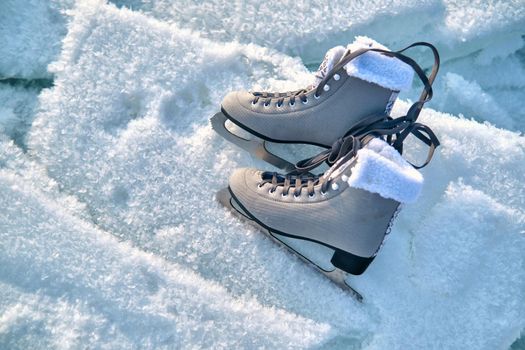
480 41
298 25
110 236
473 100
17 109
30 33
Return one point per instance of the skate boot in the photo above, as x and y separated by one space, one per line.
337 221
352 84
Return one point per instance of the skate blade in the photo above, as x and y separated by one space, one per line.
250 143
314 254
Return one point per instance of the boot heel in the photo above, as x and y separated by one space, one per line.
350 263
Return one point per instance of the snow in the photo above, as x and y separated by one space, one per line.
79 286
110 236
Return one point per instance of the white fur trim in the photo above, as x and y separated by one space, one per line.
374 67
381 169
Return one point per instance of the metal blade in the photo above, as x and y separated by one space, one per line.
255 145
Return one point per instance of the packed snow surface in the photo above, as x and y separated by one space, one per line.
110 235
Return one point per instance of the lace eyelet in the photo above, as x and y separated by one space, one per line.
266 105
305 101
278 105
292 104
317 96
344 178
284 195
335 186
254 103
296 196
326 87
337 77
323 193
260 185
311 195
270 191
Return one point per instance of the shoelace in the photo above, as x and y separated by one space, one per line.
342 151
393 131
295 181
268 96
347 150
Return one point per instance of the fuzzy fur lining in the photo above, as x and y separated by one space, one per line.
373 67
381 169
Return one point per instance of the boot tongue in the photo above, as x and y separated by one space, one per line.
331 58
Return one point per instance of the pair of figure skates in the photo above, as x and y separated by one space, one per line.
336 220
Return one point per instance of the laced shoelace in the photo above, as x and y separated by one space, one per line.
267 97
295 181
393 131
347 150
